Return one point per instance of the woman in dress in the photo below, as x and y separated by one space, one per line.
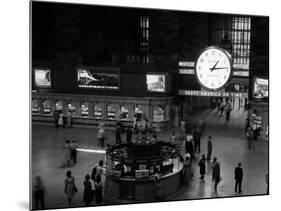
60 121
67 154
88 195
187 171
98 189
69 187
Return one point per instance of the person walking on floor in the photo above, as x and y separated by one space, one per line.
98 189
39 194
88 195
249 135
69 119
56 118
187 169
73 151
228 109
101 135
202 166
201 125
60 120
216 177
118 135
97 170
69 187
238 176
158 187
209 148
67 154
222 109
196 138
129 134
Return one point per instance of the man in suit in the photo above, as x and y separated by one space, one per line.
238 177
209 148
216 176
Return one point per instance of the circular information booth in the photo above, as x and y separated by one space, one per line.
131 169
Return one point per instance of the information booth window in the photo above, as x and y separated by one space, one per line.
59 106
98 111
111 112
47 107
124 113
71 107
158 113
35 107
84 109
138 112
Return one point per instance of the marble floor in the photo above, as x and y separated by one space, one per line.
229 146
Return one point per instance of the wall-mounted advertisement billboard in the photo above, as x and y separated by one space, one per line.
156 82
107 78
42 77
260 88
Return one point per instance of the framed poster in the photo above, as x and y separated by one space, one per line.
104 78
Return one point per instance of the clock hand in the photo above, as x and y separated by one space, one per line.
214 66
219 68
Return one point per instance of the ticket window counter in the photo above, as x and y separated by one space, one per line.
35 107
111 112
124 114
59 106
46 107
84 107
158 113
138 113
72 109
98 111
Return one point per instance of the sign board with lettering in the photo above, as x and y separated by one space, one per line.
212 93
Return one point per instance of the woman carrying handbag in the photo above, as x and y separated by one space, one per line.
69 187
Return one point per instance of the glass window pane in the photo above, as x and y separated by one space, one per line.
35 107
58 105
110 112
85 109
71 107
98 111
158 113
47 106
124 114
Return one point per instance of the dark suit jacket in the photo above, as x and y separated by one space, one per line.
238 173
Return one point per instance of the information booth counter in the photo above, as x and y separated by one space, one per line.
132 167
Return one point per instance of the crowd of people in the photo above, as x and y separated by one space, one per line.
191 152
224 107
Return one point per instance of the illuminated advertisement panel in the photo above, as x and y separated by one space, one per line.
156 82
42 77
260 88
98 78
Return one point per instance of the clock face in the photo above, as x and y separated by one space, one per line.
213 68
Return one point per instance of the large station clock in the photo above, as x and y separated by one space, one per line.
213 68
